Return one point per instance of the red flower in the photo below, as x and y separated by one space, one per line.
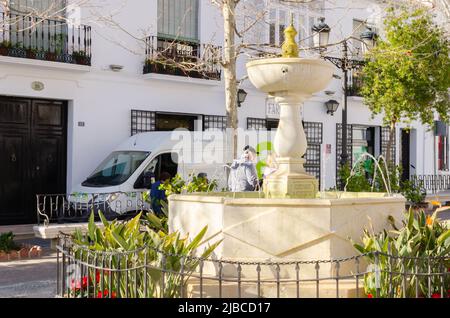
369 296
436 295
77 285
105 294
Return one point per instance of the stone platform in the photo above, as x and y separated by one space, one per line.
258 229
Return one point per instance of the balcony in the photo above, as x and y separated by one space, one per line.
355 83
28 37
182 58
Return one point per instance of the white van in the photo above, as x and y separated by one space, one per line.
133 166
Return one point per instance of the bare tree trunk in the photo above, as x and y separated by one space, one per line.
229 69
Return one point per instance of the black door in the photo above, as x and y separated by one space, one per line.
405 159
32 155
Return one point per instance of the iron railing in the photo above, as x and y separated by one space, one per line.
182 58
355 83
151 273
27 36
77 207
432 183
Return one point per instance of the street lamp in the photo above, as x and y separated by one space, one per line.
241 96
332 106
369 37
345 64
321 33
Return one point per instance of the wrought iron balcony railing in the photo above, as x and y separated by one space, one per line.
182 58
355 83
25 36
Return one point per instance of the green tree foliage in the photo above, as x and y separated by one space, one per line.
407 74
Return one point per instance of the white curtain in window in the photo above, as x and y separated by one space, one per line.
178 19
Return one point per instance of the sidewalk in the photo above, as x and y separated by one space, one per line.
34 278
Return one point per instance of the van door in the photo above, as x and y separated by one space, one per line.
164 162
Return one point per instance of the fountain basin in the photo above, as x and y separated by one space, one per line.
300 76
254 228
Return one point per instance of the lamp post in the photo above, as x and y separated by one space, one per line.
345 64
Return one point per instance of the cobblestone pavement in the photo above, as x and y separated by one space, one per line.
34 278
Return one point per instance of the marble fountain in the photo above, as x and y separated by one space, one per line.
292 220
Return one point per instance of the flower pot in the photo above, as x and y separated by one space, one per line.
50 56
4 51
31 55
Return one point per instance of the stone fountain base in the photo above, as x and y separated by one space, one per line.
258 229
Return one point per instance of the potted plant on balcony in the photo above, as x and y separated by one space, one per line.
80 57
5 46
31 53
50 56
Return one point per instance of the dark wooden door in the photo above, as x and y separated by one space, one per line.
32 155
405 159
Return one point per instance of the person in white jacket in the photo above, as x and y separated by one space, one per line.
243 175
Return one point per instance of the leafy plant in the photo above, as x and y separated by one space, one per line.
364 178
6 44
7 243
356 181
407 75
196 184
413 193
396 257
158 259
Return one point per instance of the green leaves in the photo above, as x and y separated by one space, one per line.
422 239
168 251
407 75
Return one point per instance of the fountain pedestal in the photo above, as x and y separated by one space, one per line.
290 144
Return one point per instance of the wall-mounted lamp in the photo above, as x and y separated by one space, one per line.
332 106
242 96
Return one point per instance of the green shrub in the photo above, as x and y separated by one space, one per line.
7 243
139 245
413 193
422 237
362 179
178 185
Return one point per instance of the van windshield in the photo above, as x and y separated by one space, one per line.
116 169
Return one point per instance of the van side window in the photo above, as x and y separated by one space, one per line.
166 162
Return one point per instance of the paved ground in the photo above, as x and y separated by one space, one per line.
35 278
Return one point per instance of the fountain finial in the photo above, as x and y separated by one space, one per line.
290 47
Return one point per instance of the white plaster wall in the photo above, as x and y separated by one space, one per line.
103 99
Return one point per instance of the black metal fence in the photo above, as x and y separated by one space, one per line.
26 36
432 183
182 58
77 207
151 273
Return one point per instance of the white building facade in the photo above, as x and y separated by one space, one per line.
71 92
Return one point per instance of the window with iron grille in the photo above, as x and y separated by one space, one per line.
214 122
314 136
256 123
339 149
314 132
142 121
385 141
